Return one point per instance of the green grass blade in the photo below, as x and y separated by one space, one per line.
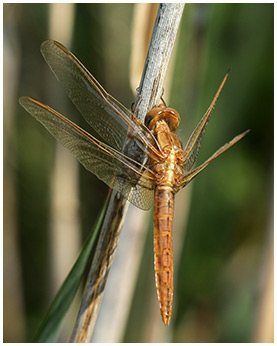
49 329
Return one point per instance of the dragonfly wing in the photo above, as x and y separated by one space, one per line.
189 176
194 143
142 194
119 172
108 117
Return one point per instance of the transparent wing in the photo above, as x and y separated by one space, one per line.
189 176
130 178
194 143
110 119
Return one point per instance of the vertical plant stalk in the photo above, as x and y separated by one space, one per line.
149 93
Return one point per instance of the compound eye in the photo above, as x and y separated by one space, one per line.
173 119
153 115
161 112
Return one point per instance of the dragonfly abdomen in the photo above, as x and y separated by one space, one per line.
163 252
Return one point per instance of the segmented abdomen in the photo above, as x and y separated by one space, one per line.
163 252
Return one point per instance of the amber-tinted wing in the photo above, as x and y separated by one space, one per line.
187 177
121 173
110 119
193 144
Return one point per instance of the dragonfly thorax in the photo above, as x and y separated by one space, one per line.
161 112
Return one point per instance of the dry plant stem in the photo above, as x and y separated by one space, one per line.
159 53
150 90
100 267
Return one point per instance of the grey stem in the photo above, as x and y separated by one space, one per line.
150 91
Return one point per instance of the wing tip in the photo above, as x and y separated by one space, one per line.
243 134
23 99
48 43
45 44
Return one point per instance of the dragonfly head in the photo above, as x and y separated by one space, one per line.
161 112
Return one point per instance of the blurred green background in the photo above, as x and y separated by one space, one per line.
224 279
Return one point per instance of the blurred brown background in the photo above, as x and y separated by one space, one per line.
224 274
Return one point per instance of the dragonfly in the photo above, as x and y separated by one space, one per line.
150 169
